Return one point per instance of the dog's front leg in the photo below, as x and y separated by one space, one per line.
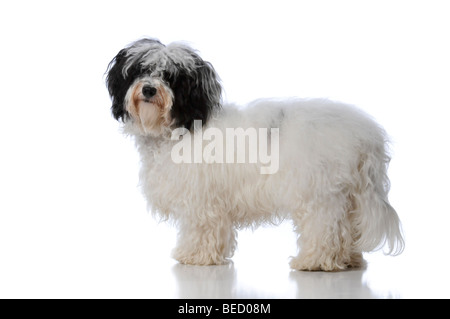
205 241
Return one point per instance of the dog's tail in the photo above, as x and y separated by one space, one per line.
375 222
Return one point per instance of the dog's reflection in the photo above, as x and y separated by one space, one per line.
205 281
332 285
221 282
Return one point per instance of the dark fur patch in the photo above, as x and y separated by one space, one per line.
194 99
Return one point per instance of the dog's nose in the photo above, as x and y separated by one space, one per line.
148 91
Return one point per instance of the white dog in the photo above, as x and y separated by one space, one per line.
214 168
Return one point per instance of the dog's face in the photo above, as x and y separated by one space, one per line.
160 87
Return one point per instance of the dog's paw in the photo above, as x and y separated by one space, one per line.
307 264
198 258
299 264
357 261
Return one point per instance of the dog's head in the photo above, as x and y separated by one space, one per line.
160 87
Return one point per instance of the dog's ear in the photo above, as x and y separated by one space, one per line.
126 66
197 93
117 86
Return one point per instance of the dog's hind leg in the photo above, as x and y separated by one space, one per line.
205 241
325 235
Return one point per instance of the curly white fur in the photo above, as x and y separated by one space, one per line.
331 182
330 178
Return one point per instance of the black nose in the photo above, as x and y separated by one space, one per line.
148 91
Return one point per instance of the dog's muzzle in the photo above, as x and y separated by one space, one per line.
149 91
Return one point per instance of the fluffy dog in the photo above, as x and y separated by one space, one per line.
327 171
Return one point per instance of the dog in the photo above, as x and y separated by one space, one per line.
320 163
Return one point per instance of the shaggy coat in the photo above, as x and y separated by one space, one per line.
330 176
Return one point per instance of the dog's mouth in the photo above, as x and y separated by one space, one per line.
142 98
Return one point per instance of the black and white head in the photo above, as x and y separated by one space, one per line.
159 87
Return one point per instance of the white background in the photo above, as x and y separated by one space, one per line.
72 220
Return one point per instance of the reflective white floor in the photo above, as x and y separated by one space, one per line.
129 258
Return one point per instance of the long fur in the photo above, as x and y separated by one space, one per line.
331 182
